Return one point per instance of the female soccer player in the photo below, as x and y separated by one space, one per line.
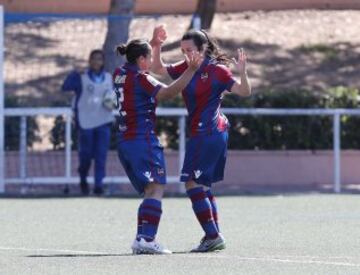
139 149
206 148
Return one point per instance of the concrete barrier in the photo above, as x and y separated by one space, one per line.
245 170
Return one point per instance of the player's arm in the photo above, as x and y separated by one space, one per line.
167 92
242 87
72 83
159 36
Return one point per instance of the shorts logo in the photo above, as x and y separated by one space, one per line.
185 174
148 175
160 171
197 173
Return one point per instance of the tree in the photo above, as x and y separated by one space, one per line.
120 15
205 10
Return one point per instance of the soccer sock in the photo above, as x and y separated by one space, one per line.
202 209
151 214
139 223
213 208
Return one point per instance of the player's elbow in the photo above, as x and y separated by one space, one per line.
65 87
241 90
245 91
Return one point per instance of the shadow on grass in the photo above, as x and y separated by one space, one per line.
92 255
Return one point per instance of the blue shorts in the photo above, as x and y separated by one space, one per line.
143 161
205 159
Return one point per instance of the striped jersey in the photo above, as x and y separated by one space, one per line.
136 97
203 96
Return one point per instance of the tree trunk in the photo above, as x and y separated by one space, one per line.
205 10
120 15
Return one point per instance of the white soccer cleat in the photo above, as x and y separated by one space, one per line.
135 247
144 247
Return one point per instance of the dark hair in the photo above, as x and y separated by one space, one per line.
134 49
203 41
95 52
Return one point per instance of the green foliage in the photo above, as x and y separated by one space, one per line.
294 132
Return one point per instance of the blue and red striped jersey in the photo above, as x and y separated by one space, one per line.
136 97
203 95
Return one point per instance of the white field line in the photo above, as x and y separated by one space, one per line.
279 259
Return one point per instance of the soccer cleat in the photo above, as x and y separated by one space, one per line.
98 190
144 247
209 245
136 247
84 187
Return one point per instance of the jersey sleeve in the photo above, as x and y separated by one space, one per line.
72 83
150 84
225 77
177 69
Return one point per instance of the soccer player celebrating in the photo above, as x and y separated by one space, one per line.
206 148
139 149
93 117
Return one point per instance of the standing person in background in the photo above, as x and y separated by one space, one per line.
206 148
93 113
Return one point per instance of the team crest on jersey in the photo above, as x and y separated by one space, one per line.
90 88
197 173
204 76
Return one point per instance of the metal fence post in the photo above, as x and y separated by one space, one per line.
23 147
337 152
182 137
68 145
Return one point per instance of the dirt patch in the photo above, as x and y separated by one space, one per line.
287 49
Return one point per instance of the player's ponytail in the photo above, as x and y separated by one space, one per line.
134 49
121 49
203 41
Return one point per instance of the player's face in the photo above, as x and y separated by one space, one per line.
188 47
96 62
144 62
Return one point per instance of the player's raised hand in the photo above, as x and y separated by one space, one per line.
159 36
194 60
241 61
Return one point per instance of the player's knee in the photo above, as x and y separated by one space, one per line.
154 190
